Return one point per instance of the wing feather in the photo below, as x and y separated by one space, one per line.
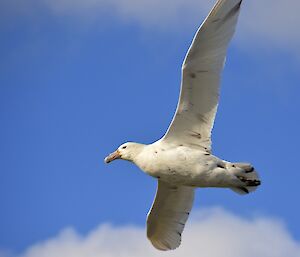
168 215
201 74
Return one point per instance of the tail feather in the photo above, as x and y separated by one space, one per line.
247 177
240 190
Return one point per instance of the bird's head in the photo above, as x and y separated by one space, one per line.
127 151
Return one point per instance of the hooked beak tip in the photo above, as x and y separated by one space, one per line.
113 156
106 160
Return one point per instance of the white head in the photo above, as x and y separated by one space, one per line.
127 151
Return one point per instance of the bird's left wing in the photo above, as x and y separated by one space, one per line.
201 73
168 215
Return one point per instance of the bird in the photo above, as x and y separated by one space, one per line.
182 159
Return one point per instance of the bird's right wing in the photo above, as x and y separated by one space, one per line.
168 215
201 73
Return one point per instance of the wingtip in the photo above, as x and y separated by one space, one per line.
164 246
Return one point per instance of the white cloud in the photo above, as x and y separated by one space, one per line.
213 233
161 14
269 24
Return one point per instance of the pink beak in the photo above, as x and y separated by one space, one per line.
113 156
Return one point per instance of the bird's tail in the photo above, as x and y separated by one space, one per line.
247 177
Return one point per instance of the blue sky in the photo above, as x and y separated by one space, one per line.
78 79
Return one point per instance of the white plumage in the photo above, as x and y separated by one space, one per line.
201 73
169 212
182 159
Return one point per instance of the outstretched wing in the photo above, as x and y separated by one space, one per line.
168 215
201 72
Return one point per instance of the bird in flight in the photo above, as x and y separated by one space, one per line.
182 160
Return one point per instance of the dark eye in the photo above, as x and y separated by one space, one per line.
124 147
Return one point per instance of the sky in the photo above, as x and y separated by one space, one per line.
79 78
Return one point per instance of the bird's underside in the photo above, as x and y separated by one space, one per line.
182 159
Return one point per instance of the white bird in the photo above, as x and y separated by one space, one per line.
181 160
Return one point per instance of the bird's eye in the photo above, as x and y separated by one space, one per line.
124 147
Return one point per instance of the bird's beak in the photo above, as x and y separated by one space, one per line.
113 156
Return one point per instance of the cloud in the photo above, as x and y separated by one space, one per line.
268 24
213 232
271 23
161 14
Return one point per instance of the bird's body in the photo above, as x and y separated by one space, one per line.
186 166
182 160
176 164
